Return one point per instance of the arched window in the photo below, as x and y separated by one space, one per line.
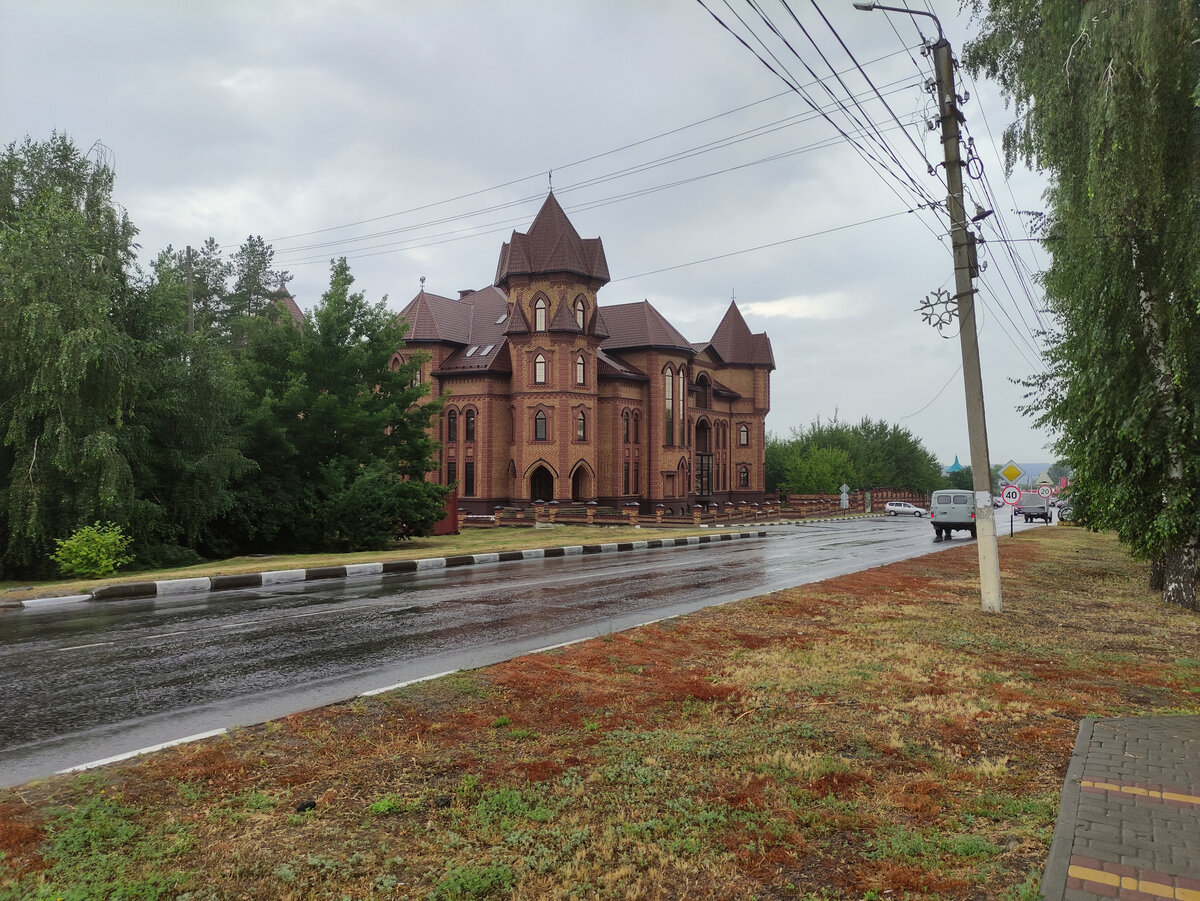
625 421
580 311
581 427
452 426
539 370
744 435
539 315
580 370
470 425
637 421
539 426
743 476
669 407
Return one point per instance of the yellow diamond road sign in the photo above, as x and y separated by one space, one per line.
1011 472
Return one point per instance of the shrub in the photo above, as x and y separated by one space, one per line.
93 551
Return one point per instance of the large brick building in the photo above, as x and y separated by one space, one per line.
550 396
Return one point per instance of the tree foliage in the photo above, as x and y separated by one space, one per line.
227 429
1107 101
337 435
870 454
102 413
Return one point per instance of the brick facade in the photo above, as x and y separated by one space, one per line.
550 396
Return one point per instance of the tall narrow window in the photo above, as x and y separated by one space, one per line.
580 311
625 422
637 478
469 478
580 370
539 370
451 472
669 408
626 491
682 397
744 477
469 425
452 426
637 419
539 315
539 426
581 427
744 436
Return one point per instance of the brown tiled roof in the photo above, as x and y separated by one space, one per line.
486 312
285 302
734 343
612 366
435 318
564 320
633 325
551 245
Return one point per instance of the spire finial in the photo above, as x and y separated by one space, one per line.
550 178
422 284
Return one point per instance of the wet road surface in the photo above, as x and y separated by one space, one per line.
84 682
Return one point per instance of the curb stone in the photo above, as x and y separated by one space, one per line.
208 584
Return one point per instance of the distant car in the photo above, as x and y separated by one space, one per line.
903 508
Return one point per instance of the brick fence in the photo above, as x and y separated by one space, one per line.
809 506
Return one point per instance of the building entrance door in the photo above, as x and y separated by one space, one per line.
541 485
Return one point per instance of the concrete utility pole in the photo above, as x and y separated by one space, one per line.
965 270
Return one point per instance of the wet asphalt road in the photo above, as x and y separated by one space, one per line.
83 682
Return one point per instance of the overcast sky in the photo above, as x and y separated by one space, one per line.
413 136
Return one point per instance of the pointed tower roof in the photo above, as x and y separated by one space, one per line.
733 341
551 245
435 318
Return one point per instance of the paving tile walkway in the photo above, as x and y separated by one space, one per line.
1129 821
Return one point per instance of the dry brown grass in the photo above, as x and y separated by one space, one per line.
872 736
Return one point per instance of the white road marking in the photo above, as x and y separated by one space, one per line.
150 750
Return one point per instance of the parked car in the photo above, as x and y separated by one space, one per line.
952 510
903 508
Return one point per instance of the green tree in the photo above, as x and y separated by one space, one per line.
108 410
872 454
1107 101
963 478
817 470
338 436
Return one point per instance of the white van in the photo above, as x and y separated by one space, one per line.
952 509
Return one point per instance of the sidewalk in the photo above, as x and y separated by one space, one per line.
1129 821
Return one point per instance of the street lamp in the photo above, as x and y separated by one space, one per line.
870 5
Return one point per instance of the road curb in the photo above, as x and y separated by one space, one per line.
1054 877
209 584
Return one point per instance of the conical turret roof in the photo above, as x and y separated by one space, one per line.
551 245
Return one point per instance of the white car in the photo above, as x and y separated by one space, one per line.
903 508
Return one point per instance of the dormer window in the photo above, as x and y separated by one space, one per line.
539 315
580 311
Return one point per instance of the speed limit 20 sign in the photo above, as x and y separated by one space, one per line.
1011 495
1045 491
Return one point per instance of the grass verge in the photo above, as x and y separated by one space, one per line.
872 736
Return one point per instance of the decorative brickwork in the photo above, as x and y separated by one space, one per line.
575 402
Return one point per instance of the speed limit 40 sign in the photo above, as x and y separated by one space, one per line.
1011 495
